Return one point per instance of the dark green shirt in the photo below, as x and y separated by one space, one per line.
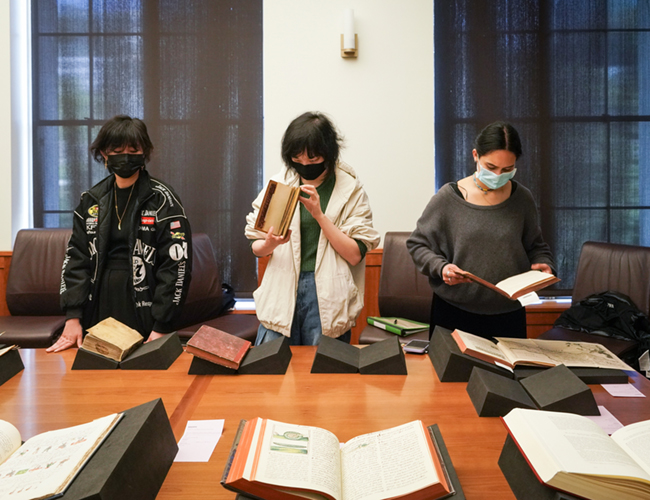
310 229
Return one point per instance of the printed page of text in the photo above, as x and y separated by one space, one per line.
574 443
9 440
387 463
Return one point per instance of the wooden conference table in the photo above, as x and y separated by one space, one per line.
47 395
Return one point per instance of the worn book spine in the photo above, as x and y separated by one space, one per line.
264 209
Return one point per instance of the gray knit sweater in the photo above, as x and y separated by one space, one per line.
492 242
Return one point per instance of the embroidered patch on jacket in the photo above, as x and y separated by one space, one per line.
93 211
174 225
147 221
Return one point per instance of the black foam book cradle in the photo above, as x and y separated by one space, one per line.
158 354
559 389
382 358
522 480
270 358
553 389
10 364
133 461
494 396
451 364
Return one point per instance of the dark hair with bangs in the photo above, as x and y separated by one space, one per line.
312 132
118 132
496 136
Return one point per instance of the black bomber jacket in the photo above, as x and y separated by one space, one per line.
160 249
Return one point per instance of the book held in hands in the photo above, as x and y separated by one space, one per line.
46 464
510 352
278 205
112 339
571 453
217 346
279 461
518 285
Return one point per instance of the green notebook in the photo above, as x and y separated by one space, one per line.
398 326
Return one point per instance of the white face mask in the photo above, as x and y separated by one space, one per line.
492 180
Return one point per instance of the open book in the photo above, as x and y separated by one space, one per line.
572 453
47 463
278 461
518 285
277 208
112 339
398 326
535 352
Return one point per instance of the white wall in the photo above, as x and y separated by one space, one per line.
5 128
382 101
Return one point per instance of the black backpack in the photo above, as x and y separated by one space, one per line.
611 314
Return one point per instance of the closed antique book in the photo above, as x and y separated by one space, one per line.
277 208
112 339
218 347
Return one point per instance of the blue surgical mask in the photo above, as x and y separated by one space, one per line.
492 180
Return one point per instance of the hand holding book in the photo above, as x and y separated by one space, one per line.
262 248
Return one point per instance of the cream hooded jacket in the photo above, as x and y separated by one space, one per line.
339 285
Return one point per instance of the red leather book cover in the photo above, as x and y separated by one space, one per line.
218 347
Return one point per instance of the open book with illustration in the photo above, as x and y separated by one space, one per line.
277 461
573 454
518 285
510 352
47 463
278 205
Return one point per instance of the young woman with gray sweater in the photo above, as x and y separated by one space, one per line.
486 224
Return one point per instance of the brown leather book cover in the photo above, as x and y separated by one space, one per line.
277 208
218 347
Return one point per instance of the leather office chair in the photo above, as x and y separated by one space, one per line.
35 279
403 291
203 305
609 266
33 288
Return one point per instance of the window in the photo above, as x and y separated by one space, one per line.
191 70
574 79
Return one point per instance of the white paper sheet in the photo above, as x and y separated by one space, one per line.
607 422
198 441
623 391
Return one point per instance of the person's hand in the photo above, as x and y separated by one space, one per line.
451 275
265 247
312 204
545 268
153 336
72 336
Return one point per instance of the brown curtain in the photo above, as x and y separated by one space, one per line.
574 79
192 70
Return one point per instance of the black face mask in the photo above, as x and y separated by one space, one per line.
309 172
124 165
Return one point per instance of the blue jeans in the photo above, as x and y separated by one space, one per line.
305 327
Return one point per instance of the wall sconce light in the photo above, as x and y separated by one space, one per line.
349 40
